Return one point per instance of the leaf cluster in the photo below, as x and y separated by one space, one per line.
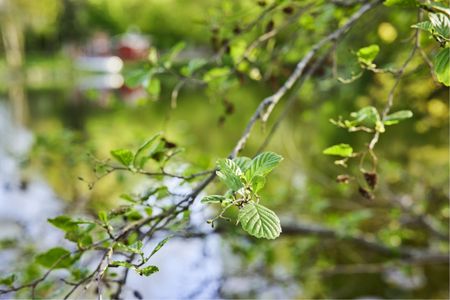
244 178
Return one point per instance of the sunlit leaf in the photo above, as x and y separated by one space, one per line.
367 116
426 26
153 86
343 150
153 55
243 162
441 25
145 151
258 183
367 54
136 78
159 246
263 164
230 173
259 221
124 156
215 74
103 216
147 271
396 117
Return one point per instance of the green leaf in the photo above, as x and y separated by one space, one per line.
56 258
213 199
442 66
215 74
79 234
230 174
8 280
103 216
379 126
148 211
401 3
159 246
263 164
124 156
147 271
259 221
193 65
396 117
135 248
169 57
343 150
153 56
243 162
367 54
146 150
153 86
82 239
441 25
65 223
367 116
136 78
124 264
426 25
133 215
258 183
79 273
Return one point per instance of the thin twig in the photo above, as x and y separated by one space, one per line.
268 104
390 99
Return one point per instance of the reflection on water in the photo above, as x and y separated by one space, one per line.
25 202
189 268
113 81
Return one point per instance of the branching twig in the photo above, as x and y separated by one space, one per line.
390 99
268 104
290 101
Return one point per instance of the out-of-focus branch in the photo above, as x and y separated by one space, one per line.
416 255
268 104
410 254
347 3
435 8
390 99
272 33
290 101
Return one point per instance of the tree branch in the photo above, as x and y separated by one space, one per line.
266 106
296 229
412 254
